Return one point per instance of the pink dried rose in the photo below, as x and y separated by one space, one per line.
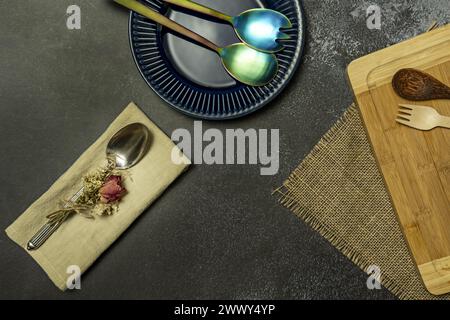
112 190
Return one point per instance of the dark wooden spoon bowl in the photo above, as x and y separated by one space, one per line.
416 85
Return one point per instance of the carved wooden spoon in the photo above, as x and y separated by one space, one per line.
415 85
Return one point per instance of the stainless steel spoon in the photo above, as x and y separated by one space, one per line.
128 146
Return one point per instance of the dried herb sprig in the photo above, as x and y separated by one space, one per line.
92 183
89 202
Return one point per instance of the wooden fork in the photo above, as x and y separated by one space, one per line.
421 117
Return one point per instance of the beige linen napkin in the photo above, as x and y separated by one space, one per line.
80 241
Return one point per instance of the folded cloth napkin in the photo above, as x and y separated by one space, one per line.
80 241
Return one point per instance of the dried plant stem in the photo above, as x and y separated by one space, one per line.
90 197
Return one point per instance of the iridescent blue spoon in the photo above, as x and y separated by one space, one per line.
243 63
258 28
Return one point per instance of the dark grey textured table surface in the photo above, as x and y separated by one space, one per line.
217 233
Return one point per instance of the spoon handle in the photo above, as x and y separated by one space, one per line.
49 228
166 22
201 9
445 122
43 234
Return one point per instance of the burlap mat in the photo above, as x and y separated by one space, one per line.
338 191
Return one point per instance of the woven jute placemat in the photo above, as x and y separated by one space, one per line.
339 191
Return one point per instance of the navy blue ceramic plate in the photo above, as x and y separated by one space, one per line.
191 78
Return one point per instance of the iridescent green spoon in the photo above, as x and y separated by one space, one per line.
243 63
259 28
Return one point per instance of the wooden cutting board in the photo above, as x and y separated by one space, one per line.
415 164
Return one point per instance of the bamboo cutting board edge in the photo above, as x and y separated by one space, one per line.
435 272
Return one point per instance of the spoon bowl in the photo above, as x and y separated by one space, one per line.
415 85
261 29
247 65
129 145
